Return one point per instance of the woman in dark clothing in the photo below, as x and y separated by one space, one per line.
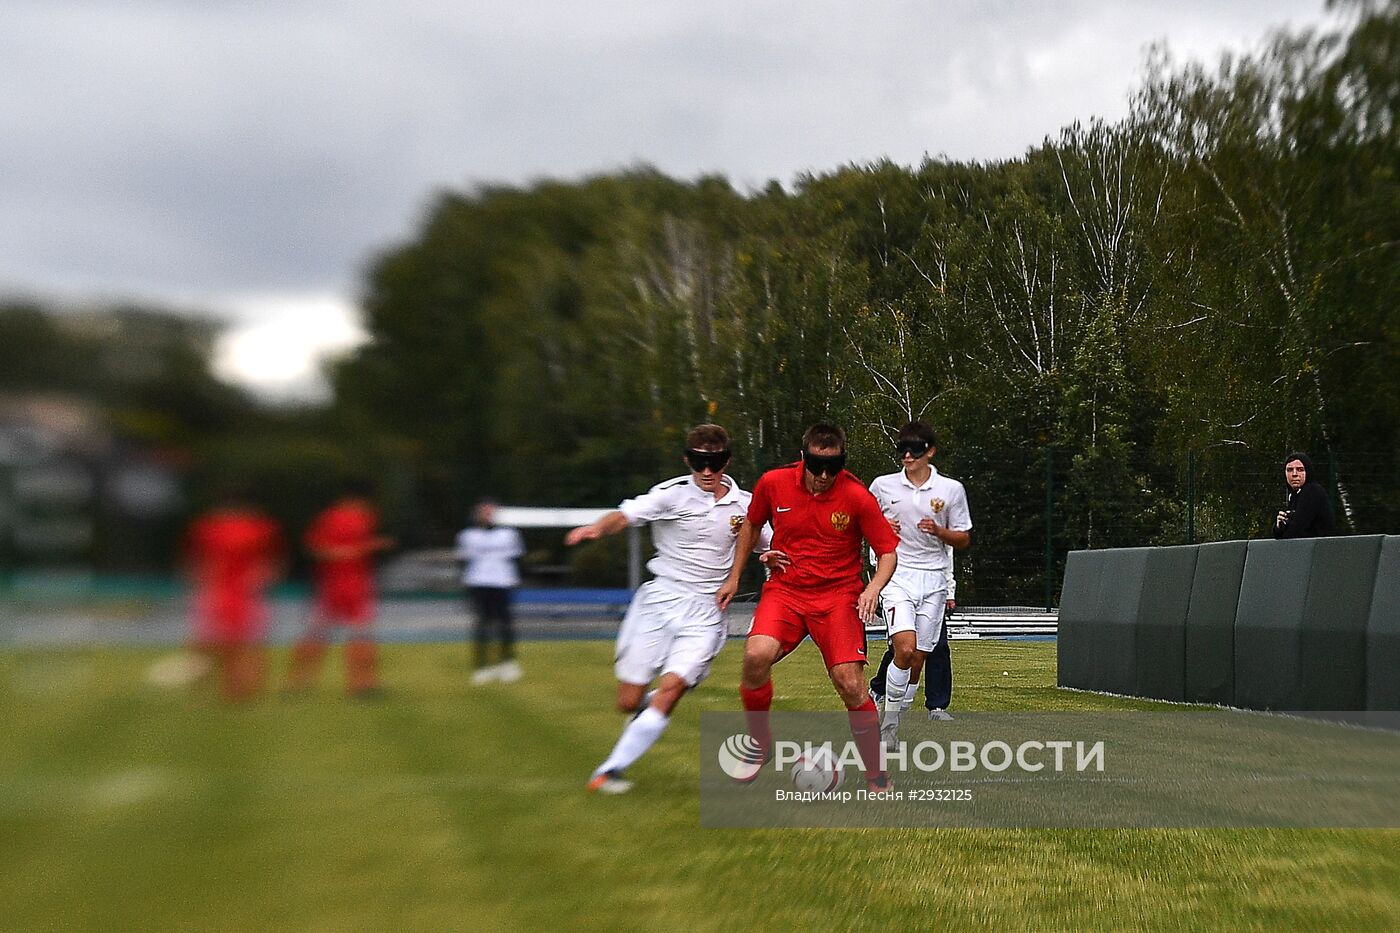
1308 513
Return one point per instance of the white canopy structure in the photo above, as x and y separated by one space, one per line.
516 516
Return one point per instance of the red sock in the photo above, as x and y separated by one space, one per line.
756 704
865 729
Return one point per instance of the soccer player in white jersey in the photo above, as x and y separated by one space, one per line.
938 685
928 511
673 628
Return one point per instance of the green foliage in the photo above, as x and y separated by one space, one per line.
1215 271
141 380
146 372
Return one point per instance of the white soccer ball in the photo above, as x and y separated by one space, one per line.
177 670
816 771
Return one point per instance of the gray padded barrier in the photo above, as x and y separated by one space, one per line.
1383 631
1281 625
1098 619
1115 649
1079 600
1332 669
1300 630
1269 624
1161 623
1210 622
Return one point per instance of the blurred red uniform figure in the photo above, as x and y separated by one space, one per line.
343 539
234 552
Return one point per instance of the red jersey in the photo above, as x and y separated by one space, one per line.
348 526
234 556
234 552
820 533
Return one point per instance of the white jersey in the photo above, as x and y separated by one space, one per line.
490 554
942 499
693 531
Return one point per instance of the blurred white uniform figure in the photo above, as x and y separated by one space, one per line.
674 628
489 553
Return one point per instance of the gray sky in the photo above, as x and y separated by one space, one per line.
249 157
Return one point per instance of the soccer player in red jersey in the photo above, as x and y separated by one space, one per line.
820 513
233 553
343 539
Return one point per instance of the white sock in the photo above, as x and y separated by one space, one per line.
896 687
640 734
909 696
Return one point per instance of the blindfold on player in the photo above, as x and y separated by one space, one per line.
702 460
823 466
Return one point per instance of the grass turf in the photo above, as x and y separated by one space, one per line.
447 807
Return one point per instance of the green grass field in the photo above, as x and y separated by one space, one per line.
447 807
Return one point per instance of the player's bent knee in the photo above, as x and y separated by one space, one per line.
854 699
850 685
758 663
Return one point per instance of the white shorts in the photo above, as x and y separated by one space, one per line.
915 601
668 630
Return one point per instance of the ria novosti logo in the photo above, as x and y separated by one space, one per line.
741 757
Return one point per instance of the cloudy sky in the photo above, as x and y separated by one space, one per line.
247 158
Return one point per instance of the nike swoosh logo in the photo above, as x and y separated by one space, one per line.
788 509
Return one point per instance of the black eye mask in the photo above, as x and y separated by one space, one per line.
819 466
914 449
715 460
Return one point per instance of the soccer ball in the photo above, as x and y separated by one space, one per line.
816 771
177 670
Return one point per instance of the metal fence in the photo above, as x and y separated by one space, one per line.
1031 506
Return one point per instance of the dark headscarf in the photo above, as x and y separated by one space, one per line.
1305 460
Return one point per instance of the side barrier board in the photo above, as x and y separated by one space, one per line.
1115 649
1332 657
1210 622
1383 631
1161 623
1280 625
1269 624
1079 601
1097 638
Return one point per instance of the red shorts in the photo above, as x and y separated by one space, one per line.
228 616
350 602
828 616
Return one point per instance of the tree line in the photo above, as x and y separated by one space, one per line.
1216 273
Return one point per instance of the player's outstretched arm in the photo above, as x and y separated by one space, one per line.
609 524
748 537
